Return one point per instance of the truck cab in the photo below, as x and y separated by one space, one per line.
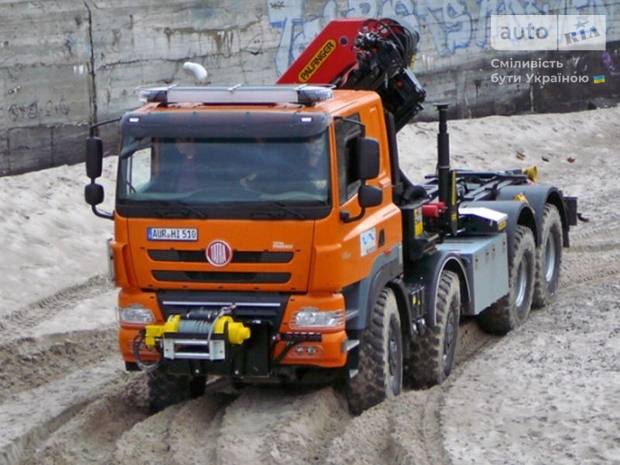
272 209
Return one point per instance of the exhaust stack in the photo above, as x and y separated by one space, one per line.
446 178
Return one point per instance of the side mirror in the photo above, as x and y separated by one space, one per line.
94 157
367 158
93 193
369 196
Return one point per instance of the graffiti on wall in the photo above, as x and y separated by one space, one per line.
447 27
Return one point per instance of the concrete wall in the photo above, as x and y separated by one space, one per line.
65 63
454 62
44 56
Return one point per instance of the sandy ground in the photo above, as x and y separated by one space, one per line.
547 393
51 240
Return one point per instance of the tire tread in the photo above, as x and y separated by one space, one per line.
368 388
542 296
424 367
166 389
501 317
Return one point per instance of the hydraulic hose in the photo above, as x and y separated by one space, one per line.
138 343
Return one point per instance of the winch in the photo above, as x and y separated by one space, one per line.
197 335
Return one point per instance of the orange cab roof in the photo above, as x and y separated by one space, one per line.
341 99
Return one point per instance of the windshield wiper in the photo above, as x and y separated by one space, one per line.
265 209
283 207
182 209
261 208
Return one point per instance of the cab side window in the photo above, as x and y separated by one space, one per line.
347 133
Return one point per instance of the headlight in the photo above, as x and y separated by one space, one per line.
311 317
136 315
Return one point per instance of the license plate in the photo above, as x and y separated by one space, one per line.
172 234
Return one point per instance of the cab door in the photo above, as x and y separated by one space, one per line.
375 238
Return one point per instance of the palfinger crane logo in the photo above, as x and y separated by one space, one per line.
219 253
317 60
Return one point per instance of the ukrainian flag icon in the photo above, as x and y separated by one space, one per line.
598 79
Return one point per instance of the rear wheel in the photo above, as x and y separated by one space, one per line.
380 368
432 355
166 389
549 258
512 311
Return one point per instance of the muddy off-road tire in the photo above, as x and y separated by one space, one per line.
380 369
549 258
432 354
512 311
166 389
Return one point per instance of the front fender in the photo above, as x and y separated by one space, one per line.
360 296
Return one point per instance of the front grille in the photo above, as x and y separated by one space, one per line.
249 307
222 277
199 256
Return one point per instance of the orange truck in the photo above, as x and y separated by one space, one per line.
268 233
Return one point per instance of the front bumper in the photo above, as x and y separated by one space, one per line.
272 346
261 356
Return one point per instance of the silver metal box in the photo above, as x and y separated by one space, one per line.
486 261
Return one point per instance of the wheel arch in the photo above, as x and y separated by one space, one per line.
429 272
555 198
407 323
527 218
519 213
360 296
538 195
457 267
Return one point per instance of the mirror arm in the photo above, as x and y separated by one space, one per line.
92 129
101 213
346 218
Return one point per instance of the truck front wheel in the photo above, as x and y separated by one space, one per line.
166 389
432 354
380 368
512 311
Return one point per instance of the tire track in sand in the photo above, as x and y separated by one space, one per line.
407 429
31 416
31 314
28 363
90 436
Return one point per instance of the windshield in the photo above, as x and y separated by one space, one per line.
225 172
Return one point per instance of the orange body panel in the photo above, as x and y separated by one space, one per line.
329 353
126 337
242 235
327 255
127 333
338 261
